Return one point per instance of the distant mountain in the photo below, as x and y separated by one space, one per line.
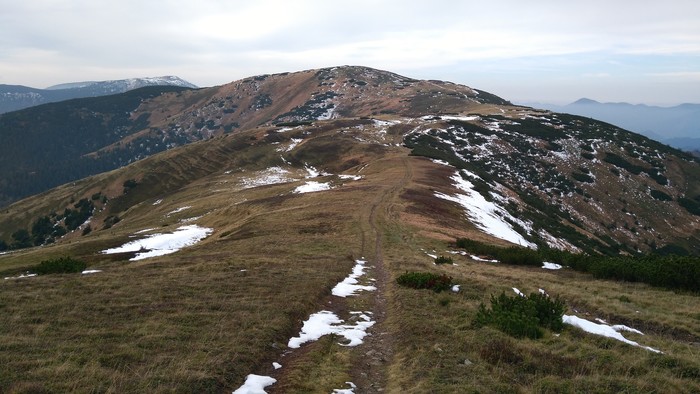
16 97
677 126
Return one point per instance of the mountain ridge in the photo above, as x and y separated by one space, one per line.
676 125
17 97
208 265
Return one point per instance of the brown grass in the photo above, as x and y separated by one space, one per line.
202 319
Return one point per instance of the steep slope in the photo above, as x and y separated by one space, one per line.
16 97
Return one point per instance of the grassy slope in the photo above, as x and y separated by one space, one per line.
202 319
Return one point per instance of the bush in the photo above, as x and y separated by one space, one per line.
443 260
522 317
425 280
60 266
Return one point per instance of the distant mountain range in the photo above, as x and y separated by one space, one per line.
16 97
677 126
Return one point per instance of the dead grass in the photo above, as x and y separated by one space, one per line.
202 319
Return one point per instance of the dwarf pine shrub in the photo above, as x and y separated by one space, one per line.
522 317
60 266
443 260
425 280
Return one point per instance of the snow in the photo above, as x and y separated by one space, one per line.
88 272
442 162
312 186
158 202
276 365
351 390
455 288
349 285
486 215
294 142
477 258
313 172
350 177
178 210
518 292
605 330
551 266
268 176
27 275
326 322
161 244
255 384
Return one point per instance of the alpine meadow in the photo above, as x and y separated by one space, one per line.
342 230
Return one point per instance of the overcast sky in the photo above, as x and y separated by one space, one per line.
555 51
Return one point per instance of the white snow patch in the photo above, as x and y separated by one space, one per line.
313 172
88 272
604 330
255 384
477 258
551 266
158 202
350 177
488 216
144 230
349 285
292 144
518 292
312 186
162 244
276 365
27 275
351 390
268 176
178 210
444 163
455 288
326 322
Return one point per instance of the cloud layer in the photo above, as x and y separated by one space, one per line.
596 48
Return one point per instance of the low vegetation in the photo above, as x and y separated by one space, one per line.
425 280
522 316
669 271
62 265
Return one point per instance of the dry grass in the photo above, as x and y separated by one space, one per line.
202 319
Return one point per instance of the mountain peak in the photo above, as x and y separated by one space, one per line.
584 101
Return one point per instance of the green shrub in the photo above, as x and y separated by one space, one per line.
521 316
425 280
60 266
443 260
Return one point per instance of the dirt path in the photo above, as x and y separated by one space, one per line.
369 361
370 372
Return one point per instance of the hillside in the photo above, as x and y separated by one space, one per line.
16 97
205 262
676 126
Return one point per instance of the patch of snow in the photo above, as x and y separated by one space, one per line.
544 293
276 365
622 327
88 272
293 144
312 186
162 244
351 390
477 258
488 216
349 285
27 275
436 161
603 330
144 230
313 172
518 292
551 266
255 384
455 288
268 176
326 322
178 210
462 117
350 177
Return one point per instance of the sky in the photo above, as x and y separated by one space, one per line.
548 51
